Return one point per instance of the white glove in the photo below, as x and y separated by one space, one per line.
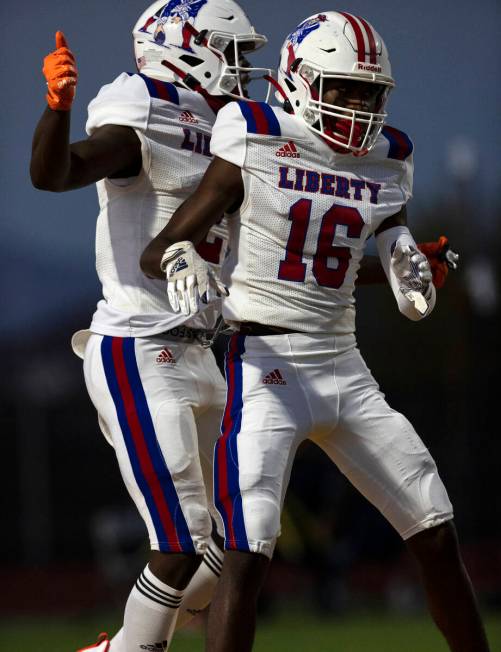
413 271
190 280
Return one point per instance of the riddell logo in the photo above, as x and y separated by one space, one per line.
187 116
370 67
154 647
274 378
166 357
289 150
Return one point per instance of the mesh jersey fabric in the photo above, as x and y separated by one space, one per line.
296 244
174 126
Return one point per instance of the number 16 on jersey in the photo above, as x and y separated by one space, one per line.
292 268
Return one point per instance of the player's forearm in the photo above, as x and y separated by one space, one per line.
220 191
51 155
152 255
190 222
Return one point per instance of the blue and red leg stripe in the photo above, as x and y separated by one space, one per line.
146 458
228 498
260 117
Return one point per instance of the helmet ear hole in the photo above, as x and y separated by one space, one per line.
190 60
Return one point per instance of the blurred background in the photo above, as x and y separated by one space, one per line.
71 542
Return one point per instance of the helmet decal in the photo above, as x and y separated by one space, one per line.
305 28
159 33
149 22
180 11
175 11
188 41
300 33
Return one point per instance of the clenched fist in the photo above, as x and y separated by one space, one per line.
61 74
190 280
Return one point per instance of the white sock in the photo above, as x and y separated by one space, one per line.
150 616
198 594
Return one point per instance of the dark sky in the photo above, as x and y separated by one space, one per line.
445 58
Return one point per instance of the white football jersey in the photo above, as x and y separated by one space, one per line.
174 126
298 239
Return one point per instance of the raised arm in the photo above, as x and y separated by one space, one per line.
220 191
56 164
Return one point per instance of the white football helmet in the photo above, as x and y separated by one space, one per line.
199 44
335 45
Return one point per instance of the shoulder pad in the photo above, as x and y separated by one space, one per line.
260 118
401 146
160 90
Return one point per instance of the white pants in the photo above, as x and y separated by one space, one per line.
283 389
159 404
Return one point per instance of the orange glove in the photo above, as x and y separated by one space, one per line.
436 254
61 74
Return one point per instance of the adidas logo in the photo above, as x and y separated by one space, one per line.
289 150
165 356
178 266
274 378
187 116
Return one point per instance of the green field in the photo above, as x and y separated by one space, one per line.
295 633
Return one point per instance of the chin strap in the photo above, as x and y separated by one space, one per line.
277 86
341 130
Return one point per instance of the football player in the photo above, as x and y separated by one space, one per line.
298 225
154 382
